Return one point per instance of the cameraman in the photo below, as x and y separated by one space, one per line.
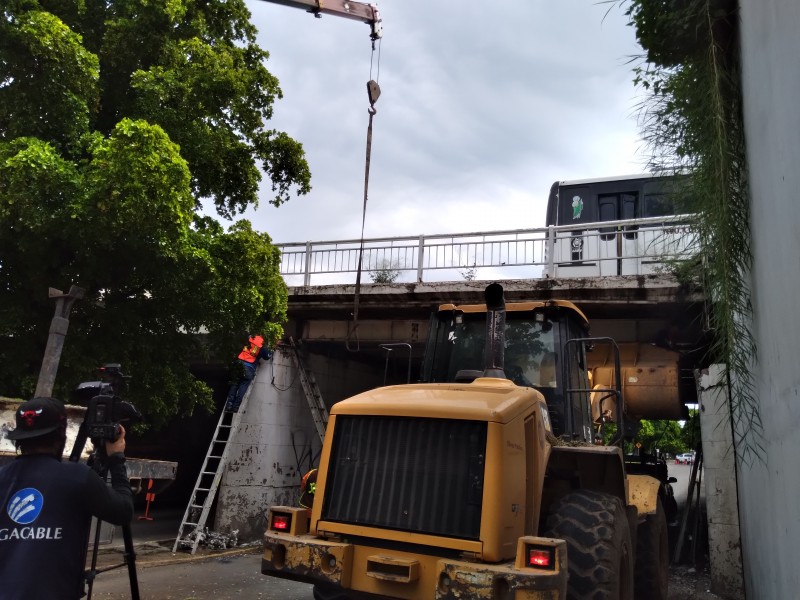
47 506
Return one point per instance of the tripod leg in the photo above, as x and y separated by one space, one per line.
80 442
130 560
90 574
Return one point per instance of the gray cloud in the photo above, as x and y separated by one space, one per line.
483 106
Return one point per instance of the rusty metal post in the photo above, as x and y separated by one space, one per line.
55 339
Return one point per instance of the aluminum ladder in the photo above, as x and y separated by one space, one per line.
313 396
205 489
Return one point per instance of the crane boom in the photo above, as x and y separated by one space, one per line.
357 11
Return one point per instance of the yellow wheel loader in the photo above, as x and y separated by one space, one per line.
488 480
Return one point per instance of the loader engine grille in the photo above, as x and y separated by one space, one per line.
409 474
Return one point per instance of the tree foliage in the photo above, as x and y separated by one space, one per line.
690 432
692 120
386 271
117 122
665 436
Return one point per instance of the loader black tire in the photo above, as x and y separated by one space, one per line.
651 574
599 553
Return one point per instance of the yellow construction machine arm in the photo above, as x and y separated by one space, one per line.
358 11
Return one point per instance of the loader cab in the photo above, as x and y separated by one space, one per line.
536 353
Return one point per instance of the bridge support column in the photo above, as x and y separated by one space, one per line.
275 445
722 506
277 442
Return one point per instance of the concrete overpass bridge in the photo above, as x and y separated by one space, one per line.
631 295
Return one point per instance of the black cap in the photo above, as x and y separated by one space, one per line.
38 416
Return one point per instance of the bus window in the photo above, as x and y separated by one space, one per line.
617 207
608 212
658 205
629 212
628 206
576 205
665 196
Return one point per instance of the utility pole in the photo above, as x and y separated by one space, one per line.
55 339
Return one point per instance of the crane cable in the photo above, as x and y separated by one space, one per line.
373 93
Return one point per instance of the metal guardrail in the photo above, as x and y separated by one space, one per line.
631 247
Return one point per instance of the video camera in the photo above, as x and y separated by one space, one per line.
105 410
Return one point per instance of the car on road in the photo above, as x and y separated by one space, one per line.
687 458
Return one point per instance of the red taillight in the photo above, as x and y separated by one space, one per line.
281 522
541 558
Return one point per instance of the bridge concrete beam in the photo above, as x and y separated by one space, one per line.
598 297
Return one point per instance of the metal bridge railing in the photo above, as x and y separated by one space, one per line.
632 247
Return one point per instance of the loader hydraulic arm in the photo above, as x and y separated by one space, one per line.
358 11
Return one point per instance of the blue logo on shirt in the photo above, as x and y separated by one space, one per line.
25 506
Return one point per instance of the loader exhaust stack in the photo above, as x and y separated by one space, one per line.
494 354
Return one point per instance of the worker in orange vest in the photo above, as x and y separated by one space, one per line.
254 350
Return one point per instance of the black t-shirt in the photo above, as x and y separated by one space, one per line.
45 514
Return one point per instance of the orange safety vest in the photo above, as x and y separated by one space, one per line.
250 352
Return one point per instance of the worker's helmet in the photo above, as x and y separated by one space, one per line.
256 340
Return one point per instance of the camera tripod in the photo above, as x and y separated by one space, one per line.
98 463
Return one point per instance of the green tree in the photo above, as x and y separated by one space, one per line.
117 121
662 435
690 432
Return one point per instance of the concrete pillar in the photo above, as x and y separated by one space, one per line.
719 463
277 442
275 446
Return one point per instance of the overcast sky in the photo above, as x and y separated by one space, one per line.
483 106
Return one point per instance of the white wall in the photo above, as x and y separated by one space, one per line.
770 491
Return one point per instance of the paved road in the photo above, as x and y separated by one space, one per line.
237 576
225 578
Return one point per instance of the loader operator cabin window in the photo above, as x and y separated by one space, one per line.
529 345
529 357
467 339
